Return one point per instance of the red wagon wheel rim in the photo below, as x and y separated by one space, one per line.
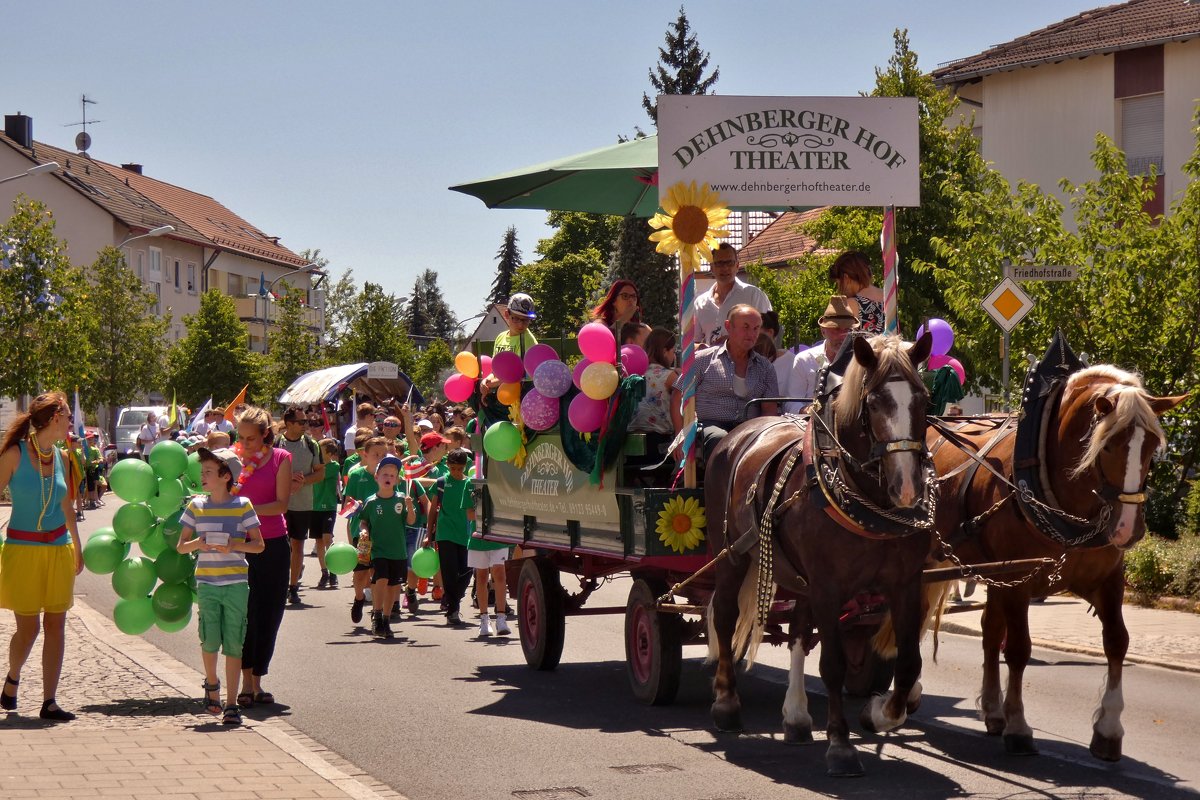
641 649
529 615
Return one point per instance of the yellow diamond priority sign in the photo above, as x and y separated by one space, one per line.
1007 304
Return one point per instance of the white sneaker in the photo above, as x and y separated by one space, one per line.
502 626
485 628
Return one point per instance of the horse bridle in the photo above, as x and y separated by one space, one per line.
879 449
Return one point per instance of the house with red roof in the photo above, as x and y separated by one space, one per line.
97 204
1130 70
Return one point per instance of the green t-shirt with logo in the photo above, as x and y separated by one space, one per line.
384 518
325 490
360 484
454 499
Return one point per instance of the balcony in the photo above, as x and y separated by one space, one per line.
250 310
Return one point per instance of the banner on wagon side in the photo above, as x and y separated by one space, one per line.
791 152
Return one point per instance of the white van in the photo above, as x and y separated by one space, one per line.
130 420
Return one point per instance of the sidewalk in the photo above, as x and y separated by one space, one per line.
142 734
1168 639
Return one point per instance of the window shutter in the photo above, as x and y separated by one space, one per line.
1142 132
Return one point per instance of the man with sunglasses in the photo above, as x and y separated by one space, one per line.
307 469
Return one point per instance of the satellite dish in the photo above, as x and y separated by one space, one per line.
83 140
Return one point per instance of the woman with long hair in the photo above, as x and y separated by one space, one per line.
622 305
41 554
266 480
851 271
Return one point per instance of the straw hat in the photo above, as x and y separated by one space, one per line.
842 312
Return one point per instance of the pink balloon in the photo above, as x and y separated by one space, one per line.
507 367
538 411
959 371
578 371
937 362
597 343
458 388
586 415
634 360
536 355
485 366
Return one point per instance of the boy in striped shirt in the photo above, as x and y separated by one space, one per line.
223 528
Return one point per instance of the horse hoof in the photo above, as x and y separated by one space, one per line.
1019 744
1105 748
865 720
994 725
794 734
841 761
728 719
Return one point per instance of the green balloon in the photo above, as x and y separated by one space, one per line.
193 469
133 480
133 522
173 566
170 538
502 441
134 578
103 552
153 544
172 602
341 558
169 459
173 627
134 617
169 500
424 562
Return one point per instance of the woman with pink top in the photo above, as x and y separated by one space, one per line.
266 480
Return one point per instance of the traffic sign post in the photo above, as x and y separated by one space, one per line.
1007 305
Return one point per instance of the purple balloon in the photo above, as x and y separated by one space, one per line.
577 373
943 336
634 360
586 415
537 355
538 411
507 367
552 378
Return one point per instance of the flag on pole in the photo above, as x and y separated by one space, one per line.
241 398
262 284
79 420
891 276
173 413
200 415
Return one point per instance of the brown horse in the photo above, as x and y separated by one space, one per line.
1098 434
827 522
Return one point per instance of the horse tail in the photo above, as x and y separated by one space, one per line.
933 600
748 633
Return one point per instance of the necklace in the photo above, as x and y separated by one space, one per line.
45 486
249 465
45 456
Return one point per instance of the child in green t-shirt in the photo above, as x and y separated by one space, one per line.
450 516
360 484
326 494
383 518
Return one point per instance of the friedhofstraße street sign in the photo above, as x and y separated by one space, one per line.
1007 304
1048 272
791 152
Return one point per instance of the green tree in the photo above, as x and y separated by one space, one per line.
508 261
799 295
127 358
428 314
214 358
562 290
377 330
433 360
340 306
292 346
576 231
680 68
45 311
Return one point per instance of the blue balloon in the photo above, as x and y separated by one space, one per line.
552 378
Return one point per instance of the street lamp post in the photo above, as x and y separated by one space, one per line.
49 166
161 230
267 296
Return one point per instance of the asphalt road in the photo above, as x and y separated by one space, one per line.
437 713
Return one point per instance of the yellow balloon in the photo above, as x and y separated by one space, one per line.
599 380
509 393
467 364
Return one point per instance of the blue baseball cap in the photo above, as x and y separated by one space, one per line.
393 461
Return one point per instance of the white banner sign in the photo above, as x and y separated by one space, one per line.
787 152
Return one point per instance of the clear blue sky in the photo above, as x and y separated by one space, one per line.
340 125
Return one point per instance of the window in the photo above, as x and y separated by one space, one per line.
156 290
155 275
252 286
191 278
139 262
178 269
235 286
1138 88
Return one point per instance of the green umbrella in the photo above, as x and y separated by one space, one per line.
618 179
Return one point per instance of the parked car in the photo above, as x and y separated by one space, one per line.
130 420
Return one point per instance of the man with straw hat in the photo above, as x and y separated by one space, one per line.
840 317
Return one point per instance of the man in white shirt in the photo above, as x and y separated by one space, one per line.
148 434
713 306
840 317
365 418
217 421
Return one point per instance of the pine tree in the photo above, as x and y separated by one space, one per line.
428 314
680 68
509 261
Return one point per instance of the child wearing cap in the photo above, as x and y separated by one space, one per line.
517 339
384 517
223 527
360 485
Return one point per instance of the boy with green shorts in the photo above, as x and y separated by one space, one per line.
223 527
360 484
384 517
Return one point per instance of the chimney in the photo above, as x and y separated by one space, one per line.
19 128
134 168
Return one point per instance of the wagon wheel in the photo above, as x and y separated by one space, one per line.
540 617
653 645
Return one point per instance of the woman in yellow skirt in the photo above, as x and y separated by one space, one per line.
41 554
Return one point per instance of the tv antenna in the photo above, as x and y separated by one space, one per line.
83 140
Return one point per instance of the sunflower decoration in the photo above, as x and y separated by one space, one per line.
681 523
692 224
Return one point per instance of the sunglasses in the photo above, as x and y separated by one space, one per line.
391 424
314 423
